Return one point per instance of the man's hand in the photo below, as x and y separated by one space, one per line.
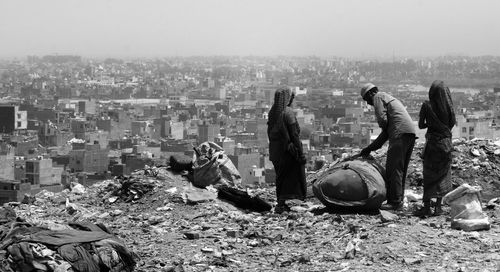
364 152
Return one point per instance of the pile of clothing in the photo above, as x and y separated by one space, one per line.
80 247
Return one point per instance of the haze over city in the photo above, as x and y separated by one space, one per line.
356 29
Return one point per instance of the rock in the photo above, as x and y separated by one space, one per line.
172 190
411 261
412 196
303 259
112 199
192 235
207 250
195 195
386 216
153 220
78 189
299 209
28 199
103 215
253 243
164 208
493 203
116 212
232 233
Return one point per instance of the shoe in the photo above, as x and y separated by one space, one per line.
279 209
423 212
392 206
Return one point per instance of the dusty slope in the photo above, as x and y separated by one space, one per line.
224 238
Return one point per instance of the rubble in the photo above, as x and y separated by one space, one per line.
386 216
168 234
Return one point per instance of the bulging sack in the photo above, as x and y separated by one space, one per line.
206 173
356 185
466 211
211 165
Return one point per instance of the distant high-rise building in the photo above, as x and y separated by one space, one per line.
12 119
207 132
220 93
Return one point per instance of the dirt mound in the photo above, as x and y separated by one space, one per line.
174 226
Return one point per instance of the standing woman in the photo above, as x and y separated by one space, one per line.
438 116
285 150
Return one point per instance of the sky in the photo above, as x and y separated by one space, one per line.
162 28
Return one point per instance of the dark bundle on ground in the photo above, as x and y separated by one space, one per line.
243 200
179 163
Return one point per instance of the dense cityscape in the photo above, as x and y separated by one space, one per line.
68 118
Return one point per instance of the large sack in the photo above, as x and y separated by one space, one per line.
211 165
466 211
356 185
206 172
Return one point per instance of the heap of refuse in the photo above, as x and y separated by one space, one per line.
71 247
475 162
171 224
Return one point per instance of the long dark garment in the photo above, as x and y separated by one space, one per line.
438 117
286 154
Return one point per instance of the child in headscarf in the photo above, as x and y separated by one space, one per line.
285 150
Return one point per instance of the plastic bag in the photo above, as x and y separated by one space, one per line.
466 211
211 166
228 170
206 173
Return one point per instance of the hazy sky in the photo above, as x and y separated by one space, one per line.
149 28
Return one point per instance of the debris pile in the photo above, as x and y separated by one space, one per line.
174 226
71 247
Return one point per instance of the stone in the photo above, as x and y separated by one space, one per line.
192 235
303 259
232 233
78 189
153 220
386 216
411 261
194 196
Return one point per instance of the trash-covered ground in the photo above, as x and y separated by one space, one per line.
173 226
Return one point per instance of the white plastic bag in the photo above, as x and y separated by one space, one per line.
466 211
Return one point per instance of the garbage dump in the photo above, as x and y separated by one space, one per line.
466 211
356 185
79 247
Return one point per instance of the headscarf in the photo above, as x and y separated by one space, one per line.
282 98
441 104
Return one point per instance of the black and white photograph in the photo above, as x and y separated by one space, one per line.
249 135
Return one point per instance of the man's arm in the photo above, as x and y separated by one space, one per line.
377 144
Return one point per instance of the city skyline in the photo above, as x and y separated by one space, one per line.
355 29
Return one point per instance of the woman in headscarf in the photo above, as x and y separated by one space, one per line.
438 116
285 150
